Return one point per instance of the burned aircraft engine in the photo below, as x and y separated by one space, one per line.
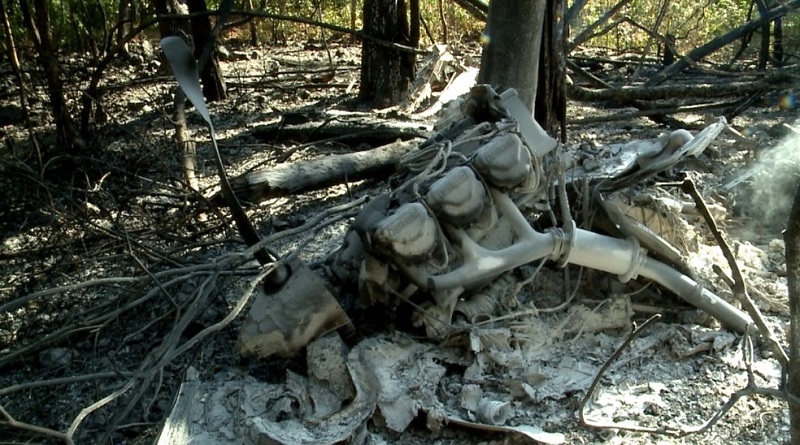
458 215
457 221
453 214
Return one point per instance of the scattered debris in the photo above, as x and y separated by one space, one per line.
447 239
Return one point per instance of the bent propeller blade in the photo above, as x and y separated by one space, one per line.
184 68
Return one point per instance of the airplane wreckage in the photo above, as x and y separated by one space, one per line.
472 215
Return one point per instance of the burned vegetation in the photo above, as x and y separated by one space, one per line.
290 266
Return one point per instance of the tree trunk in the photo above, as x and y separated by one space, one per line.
211 75
166 27
11 50
185 145
747 36
792 238
386 73
669 54
11 47
550 106
511 57
763 53
353 8
37 20
572 14
125 20
777 46
254 39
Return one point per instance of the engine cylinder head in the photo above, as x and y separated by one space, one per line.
504 161
458 197
409 233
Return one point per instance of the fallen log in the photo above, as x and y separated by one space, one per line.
657 118
708 90
625 116
719 42
303 176
309 126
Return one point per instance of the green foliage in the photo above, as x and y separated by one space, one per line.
692 22
338 12
75 25
85 25
18 30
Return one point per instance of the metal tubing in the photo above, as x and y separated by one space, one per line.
579 247
623 258
697 295
481 263
612 255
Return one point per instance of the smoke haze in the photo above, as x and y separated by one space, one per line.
773 186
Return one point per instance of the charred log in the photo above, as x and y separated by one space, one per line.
298 177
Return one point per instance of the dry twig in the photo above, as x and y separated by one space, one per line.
739 286
185 310
8 420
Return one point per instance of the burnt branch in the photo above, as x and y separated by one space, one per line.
739 287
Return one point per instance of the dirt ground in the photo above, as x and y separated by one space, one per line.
120 266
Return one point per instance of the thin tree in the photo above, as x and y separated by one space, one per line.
11 52
125 20
214 88
37 21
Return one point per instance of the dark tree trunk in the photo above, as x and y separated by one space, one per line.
572 14
13 59
763 53
125 19
254 39
11 47
747 36
166 27
414 27
386 73
525 51
353 13
792 239
37 20
550 106
669 54
199 29
777 46
511 58
211 75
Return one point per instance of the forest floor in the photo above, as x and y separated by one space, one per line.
103 254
